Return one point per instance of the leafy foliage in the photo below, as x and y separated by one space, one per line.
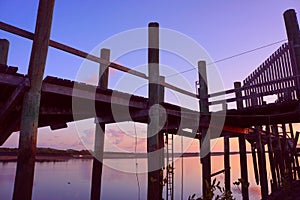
209 194
241 182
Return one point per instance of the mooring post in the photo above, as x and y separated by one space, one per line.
31 103
227 162
292 30
271 160
4 46
205 137
262 167
155 98
99 133
242 145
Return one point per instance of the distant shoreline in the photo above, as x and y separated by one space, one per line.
54 155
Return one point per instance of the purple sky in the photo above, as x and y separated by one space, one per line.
222 28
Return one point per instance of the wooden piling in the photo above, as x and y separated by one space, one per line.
155 98
279 154
242 145
161 91
205 141
253 152
31 103
296 156
292 30
262 167
99 133
271 160
4 46
227 162
286 154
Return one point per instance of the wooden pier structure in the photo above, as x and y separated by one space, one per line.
29 101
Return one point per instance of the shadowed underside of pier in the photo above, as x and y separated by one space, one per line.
58 96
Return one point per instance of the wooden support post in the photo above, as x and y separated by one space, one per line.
286 155
296 156
4 46
292 149
253 151
242 146
31 103
278 153
292 30
262 167
99 133
291 131
205 141
271 160
153 134
161 91
227 162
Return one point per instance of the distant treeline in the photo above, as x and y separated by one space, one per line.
72 153
46 151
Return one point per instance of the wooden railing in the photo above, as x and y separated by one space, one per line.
57 45
278 75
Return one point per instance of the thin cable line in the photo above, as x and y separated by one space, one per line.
136 163
230 57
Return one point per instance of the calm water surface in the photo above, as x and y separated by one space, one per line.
71 179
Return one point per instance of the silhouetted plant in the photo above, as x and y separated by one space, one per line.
241 182
209 194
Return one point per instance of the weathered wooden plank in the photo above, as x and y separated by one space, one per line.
31 103
81 92
4 46
12 80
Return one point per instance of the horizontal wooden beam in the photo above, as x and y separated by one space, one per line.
84 94
13 100
140 115
217 173
177 89
26 34
13 80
